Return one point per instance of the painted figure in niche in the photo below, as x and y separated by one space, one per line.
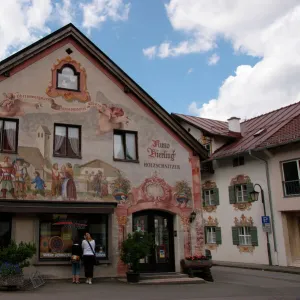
7 172
12 107
104 187
110 118
56 180
97 180
39 184
68 185
19 181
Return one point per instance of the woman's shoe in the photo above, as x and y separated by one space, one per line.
77 282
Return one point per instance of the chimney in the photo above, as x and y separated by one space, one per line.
234 124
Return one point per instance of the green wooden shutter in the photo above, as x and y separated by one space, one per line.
249 190
216 196
205 234
203 198
218 236
235 235
232 197
254 237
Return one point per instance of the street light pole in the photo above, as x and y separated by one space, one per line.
267 234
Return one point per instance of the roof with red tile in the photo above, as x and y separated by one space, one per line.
281 126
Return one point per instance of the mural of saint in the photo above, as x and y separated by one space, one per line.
97 184
104 187
56 180
19 181
68 185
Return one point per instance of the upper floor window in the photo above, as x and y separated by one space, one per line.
67 141
211 197
9 135
68 78
240 193
291 177
125 145
238 161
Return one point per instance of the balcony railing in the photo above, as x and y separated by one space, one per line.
291 188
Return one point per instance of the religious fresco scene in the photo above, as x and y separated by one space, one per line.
37 172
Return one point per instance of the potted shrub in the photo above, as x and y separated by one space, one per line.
137 246
13 259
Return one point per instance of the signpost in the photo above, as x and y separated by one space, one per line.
266 224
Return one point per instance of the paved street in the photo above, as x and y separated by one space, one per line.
230 283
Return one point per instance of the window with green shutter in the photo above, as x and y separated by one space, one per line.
235 235
218 236
210 197
216 196
249 190
254 236
232 198
210 235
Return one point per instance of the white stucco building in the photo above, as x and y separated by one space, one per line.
262 151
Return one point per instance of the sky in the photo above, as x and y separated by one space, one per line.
213 59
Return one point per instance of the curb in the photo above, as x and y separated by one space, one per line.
297 272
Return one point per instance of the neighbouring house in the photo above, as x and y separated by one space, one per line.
84 148
260 152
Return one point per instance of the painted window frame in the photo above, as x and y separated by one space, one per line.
67 126
16 135
245 235
59 71
210 195
122 133
211 237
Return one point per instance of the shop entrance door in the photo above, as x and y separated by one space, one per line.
160 224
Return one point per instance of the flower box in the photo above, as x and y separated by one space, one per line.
193 263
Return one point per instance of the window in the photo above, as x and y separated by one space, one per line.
57 233
9 135
67 141
291 178
211 197
238 161
208 148
5 231
213 235
244 236
68 78
241 193
125 145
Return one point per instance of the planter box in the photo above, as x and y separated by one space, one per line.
188 265
14 280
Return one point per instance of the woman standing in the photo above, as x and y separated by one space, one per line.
89 257
75 259
68 186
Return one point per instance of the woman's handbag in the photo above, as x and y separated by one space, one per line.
75 258
96 262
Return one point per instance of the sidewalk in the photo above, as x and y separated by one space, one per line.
290 270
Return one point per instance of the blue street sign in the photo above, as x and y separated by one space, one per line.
265 220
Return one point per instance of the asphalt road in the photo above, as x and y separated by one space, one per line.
230 283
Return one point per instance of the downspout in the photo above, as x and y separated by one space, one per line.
270 200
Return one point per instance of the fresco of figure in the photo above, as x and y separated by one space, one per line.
68 186
27 178
104 187
56 180
110 118
19 181
7 174
97 181
12 107
39 184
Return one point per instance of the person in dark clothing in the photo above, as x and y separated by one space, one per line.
75 259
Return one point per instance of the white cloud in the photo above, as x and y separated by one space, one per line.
96 12
190 70
213 59
265 29
65 12
150 52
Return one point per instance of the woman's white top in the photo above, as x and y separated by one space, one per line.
86 247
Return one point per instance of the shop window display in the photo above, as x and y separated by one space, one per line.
58 231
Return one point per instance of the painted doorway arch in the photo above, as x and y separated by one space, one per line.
160 224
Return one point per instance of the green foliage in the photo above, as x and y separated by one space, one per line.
17 254
136 247
8 269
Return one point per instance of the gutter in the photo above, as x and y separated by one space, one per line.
270 199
